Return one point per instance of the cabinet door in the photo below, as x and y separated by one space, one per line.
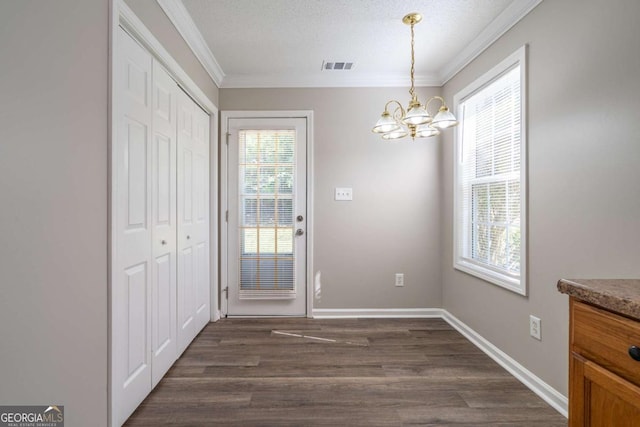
600 398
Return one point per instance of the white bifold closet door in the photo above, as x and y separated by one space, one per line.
164 223
160 226
193 220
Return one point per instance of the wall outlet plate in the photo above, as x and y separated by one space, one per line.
399 279
344 193
535 327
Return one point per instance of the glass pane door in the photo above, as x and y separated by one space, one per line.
266 224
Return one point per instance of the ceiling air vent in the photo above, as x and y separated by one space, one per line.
337 65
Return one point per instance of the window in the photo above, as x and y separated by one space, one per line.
490 176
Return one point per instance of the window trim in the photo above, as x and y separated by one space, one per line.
461 263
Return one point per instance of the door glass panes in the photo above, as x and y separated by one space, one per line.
266 183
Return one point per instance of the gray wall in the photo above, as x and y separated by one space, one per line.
53 184
53 219
392 224
584 192
154 18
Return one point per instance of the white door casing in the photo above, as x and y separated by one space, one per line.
267 217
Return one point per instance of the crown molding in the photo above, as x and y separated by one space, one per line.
324 80
503 22
179 16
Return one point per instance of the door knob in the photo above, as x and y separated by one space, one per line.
299 232
164 242
634 352
300 218
188 237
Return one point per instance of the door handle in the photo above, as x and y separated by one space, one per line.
299 232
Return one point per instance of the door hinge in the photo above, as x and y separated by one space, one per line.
226 292
228 135
226 216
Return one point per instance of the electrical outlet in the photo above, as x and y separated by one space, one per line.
535 327
399 279
344 194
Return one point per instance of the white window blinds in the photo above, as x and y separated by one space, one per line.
266 183
490 181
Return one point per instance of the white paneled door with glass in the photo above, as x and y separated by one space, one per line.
267 217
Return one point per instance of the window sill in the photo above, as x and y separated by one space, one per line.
514 285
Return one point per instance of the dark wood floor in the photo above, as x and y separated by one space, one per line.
359 372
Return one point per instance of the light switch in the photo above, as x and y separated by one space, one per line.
344 193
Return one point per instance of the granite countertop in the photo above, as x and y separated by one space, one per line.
619 295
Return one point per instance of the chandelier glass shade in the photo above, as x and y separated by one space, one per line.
416 121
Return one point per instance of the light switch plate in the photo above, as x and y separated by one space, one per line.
344 193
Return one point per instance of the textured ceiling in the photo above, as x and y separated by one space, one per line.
262 41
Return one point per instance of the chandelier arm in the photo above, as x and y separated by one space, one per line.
393 101
439 98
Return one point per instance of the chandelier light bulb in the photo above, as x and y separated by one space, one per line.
386 123
416 115
444 119
401 132
426 131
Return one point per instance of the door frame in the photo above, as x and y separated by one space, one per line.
224 199
122 16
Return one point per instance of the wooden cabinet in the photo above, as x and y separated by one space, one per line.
604 385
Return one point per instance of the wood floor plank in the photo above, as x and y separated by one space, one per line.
352 397
501 399
478 416
354 372
297 370
205 358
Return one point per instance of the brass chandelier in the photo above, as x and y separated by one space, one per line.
415 121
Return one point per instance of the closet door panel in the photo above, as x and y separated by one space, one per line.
132 231
164 157
187 329
201 217
193 220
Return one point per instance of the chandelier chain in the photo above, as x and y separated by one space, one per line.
413 61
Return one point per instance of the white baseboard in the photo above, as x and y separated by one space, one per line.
351 313
547 393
